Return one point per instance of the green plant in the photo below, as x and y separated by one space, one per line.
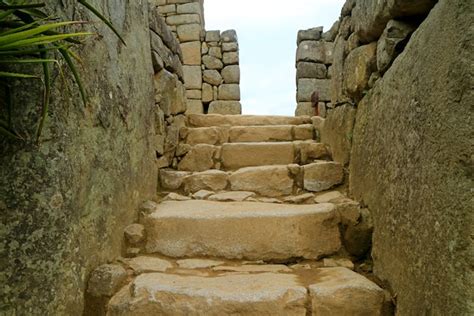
29 36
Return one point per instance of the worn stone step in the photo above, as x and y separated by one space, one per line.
213 287
232 156
250 230
242 134
210 120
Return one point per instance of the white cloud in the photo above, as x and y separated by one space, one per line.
267 31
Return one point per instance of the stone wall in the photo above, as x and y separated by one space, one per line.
64 203
210 59
401 91
313 69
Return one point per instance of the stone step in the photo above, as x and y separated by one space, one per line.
232 156
210 287
243 134
210 120
248 230
267 181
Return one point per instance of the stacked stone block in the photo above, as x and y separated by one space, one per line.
210 59
313 64
221 73
170 92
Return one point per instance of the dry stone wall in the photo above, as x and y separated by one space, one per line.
211 69
313 70
401 96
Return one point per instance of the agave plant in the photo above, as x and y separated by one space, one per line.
29 36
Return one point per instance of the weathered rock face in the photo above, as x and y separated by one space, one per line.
64 204
412 165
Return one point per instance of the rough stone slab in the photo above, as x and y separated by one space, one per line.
207 93
230 47
236 230
312 34
212 62
239 155
246 134
304 109
225 107
229 36
198 263
303 132
200 158
230 58
244 120
235 196
134 233
231 74
322 175
311 70
189 8
106 280
163 294
212 180
310 151
194 94
341 291
149 264
202 194
212 77
269 181
329 197
213 36
207 135
254 268
183 19
358 67
189 32
194 107
172 179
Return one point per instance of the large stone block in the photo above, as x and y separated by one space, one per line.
189 8
358 66
231 74
183 19
207 93
212 180
212 77
275 294
322 175
169 93
230 47
172 179
192 77
311 70
207 135
337 71
315 51
245 120
268 181
312 34
240 155
213 36
211 62
229 36
189 32
194 107
200 158
340 291
225 107
307 86
304 109
230 58
229 92
191 54
260 133
236 230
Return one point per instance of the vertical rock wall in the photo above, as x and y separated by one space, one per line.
401 91
64 203
210 59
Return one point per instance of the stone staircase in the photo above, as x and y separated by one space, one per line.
244 228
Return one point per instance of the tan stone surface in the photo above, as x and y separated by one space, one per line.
198 263
134 233
238 155
172 179
253 295
229 92
304 108
236 196
189 32
175 197
269 181
233 230
341 291
307 86
192 77
328 197
183 19
297 199
231 74
194 107
212 180
358 67
207 135
332 263
191 54
322 175
309 151
200 158
194 94
225 107
212 62
254 268
207 93
212 77
230 58
202 194
303 132
148 264
244 120
260 133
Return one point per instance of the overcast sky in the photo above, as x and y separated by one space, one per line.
267 32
